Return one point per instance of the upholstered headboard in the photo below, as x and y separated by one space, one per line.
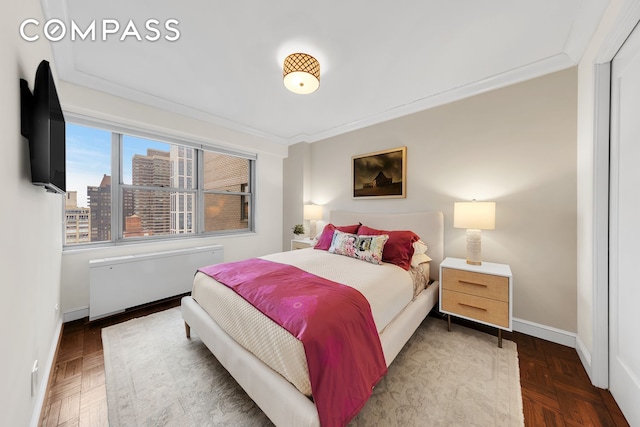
428 225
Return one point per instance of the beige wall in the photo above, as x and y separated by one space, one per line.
31 235
268 235
515 146
296 190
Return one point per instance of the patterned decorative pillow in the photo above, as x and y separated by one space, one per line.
365 248
326 237
399 249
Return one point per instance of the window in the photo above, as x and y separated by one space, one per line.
88 199
225 190
158 189
148 172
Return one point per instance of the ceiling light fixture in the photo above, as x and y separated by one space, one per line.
301 73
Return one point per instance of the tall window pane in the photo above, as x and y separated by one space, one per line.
183 177
145 163
88 198
225 174
152 164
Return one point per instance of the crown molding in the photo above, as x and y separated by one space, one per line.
546 66
63 57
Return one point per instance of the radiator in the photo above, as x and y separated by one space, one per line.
118 283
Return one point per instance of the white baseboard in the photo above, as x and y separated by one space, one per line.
585 356
44 380
75 314
545 332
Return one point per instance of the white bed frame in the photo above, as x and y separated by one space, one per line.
277 397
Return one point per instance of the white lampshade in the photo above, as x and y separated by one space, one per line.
474 215
312 212
301 73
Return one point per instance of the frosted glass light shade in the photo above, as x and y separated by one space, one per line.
475 215
312 212
301 73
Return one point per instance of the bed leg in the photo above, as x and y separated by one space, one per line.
187 329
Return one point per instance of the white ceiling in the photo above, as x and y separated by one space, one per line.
379 59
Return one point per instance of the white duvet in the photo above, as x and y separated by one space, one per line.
387 287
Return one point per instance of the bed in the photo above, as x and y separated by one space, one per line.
282 401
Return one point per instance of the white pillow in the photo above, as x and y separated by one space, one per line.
418 259
419 255
419 247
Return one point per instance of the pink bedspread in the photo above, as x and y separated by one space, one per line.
333 321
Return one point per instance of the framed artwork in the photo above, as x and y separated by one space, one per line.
382 174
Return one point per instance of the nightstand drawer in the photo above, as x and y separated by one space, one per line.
479 284
483 309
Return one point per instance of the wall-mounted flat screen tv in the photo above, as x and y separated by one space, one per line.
44 126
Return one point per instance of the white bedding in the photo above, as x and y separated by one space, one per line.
388 289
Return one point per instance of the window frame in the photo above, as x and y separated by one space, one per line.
118 187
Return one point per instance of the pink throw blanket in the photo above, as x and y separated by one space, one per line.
333 321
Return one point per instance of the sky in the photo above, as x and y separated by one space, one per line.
88 154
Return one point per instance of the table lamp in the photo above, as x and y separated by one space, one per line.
474 216
312 213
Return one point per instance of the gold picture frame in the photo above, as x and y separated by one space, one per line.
380 175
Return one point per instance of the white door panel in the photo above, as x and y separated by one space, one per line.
624 261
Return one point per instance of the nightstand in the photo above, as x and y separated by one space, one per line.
302 243
481 293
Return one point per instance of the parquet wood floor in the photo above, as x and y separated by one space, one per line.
555 388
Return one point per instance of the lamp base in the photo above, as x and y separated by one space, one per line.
312 229
474 246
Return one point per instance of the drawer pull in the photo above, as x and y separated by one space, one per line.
472 283
472 306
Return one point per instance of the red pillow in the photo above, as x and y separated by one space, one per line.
399 248
324 241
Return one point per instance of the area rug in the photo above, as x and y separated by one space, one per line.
155 376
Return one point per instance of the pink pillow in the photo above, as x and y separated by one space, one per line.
324 241
399 248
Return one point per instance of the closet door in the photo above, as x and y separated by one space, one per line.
624 261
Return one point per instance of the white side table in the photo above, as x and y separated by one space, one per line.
302 243
481 293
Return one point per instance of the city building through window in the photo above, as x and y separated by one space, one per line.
159 190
